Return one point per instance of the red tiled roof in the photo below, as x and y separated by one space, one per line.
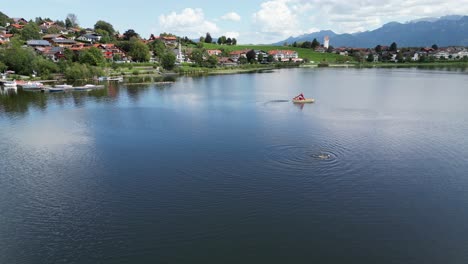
18 26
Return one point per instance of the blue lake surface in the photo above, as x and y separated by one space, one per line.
225 169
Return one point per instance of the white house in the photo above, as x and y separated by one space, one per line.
282 55
90 37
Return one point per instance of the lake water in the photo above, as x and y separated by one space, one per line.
224 169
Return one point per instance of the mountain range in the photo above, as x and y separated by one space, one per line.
444 31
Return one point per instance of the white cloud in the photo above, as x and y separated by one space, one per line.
276 20
232 34
190 22
231 16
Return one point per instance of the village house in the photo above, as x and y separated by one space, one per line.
214 52
5 38
2 30
63 43
262 53
237 54
169 40
38 43
50 37
284 55
19 20
226 61
15 26
110 51
92 38
52 53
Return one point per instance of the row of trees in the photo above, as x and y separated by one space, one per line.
223 40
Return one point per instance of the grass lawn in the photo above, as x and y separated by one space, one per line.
303 53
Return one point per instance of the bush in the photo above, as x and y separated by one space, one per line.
136 72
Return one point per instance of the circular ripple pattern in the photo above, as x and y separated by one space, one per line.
305 159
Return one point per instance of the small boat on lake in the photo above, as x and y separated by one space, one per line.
300 99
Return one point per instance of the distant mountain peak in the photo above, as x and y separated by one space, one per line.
450 30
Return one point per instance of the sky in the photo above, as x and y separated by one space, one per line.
252 21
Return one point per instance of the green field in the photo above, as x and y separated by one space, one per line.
303 53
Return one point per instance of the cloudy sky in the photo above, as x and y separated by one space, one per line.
252 21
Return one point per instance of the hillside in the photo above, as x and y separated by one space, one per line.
303 53
3 19
444 31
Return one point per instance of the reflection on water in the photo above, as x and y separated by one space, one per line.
228 168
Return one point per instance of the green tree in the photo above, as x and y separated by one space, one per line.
315 44
294 44
208 38
243 60
212 61
4 19
168 61
197 57
53 30
30 31
234 41
399 57
157 47
393 47
73 20
435 47
370 58
3 67
60 23
129 34
139 51
106 26
260 57
270 58
229 41
92 56
306 45
251 56
378 48
68 23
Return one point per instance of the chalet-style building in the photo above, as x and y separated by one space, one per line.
50 37
214 52
284 55
19 20
92 38
38 43
110 51
237 54
63 43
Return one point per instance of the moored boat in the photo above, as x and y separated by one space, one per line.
31 85
63 86
87 87
10 84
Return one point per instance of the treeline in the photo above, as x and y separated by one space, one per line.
223 40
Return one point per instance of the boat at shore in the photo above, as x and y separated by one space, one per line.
63 86
109 78
31 86
87 87
9 84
